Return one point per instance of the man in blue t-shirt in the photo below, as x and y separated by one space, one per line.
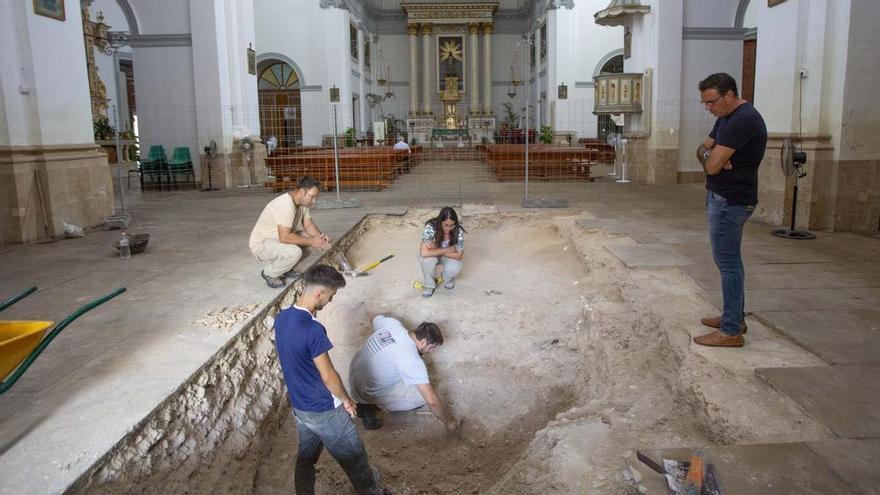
730 156
321 406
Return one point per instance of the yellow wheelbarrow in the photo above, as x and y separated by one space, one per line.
22 342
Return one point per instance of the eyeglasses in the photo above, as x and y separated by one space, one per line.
710 103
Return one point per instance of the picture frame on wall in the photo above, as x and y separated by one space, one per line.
50 8
252 61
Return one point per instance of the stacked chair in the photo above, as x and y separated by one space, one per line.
154 166
181 164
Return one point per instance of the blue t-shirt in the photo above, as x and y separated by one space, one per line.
744 131
299 339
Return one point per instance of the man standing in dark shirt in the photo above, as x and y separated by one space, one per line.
730 156
321 405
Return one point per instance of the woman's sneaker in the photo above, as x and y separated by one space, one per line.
449 284
427 292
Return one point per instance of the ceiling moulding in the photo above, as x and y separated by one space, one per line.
542 7
449 13
618 10
365 14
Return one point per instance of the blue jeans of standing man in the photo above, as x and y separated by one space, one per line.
725 233
335 430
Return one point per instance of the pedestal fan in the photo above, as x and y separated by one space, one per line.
210 154
793 164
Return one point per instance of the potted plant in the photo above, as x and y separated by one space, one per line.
349 137
103 130
546 136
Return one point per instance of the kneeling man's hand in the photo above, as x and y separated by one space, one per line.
452 425
351 407
320 243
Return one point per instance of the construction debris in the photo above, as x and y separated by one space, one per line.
226 317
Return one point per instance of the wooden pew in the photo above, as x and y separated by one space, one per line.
546 162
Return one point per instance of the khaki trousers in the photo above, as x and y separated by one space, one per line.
276 257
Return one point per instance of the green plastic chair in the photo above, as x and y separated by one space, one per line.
154 165
181 164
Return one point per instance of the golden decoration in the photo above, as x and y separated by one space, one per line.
451 50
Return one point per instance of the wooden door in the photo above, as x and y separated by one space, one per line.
747 88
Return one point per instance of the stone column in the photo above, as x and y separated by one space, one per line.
50 167
413 30
362 101
487 63
536 94
474 89
426 66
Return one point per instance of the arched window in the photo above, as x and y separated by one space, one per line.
613 65
278 90
278 76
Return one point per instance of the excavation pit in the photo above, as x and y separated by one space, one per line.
506 368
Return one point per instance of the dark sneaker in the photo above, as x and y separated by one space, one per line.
273 282
369 414
293 275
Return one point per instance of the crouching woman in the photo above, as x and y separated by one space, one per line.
442 245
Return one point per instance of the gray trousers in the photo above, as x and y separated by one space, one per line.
451 269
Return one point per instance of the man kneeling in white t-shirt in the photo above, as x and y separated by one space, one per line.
388 372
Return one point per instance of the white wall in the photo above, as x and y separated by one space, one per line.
720 13
591 44
861 124
45 85
166 109
699 59
162 16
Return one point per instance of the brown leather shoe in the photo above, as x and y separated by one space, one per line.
720 339
715 322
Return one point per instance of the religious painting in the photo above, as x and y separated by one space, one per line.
612 91
637 91
50 8
543 41
252 61
353 40
603 93
624 92
450 61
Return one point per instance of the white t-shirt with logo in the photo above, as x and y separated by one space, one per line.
386 359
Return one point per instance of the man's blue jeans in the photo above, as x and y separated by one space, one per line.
725 233
335 430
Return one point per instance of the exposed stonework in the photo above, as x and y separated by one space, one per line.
75 185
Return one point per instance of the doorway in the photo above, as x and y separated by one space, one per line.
280 104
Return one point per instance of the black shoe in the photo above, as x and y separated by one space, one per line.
369 414
273 282
293 275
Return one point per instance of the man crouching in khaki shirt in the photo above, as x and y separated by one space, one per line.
283 229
